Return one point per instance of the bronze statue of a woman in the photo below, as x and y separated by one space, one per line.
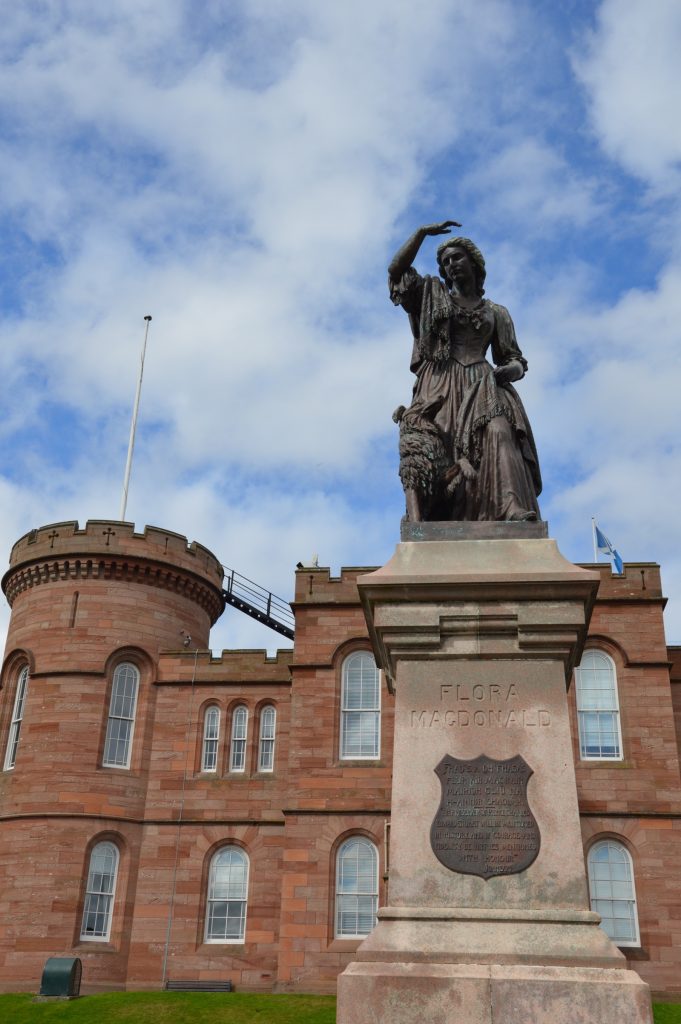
466 447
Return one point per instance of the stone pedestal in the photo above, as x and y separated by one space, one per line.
478 639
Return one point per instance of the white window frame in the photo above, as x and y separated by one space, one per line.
235 894
266 740
100 892
211 739
593 654
597 899
239 737
122 709
349 897
17 718
365 712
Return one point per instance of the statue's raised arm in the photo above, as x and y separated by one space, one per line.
466 447
406 254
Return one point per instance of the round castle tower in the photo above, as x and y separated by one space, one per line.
91 610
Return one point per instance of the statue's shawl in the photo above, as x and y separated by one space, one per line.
430 308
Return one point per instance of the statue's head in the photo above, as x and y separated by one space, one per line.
476 257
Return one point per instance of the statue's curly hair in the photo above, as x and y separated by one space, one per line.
476 256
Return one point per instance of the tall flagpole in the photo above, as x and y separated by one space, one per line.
593 534
133 425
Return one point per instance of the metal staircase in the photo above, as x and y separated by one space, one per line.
259 603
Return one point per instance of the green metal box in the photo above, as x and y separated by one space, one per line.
61 977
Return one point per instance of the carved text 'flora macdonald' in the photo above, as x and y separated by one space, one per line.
480 704
490 692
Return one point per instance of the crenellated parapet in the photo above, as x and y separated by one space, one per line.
317 585
107 550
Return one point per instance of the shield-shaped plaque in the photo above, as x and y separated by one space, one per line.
484 825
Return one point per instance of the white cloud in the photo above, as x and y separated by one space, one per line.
609 374
631 71
530 182
241 174
310 169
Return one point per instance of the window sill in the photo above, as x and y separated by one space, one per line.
234 776
229 947
603 762
360 762
634 952
345 945
94 946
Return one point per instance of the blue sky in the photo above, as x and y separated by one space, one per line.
244 172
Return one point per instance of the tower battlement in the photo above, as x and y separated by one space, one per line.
107 549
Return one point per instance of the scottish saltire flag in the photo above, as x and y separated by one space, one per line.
606 548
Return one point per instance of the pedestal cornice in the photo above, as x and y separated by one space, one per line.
515 599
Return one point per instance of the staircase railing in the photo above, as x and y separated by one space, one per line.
260 604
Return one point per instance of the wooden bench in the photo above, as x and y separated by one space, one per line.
199 986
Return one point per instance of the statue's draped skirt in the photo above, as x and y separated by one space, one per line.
487 425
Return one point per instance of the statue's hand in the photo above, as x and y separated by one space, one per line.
440 229
466 468
508 373
405 256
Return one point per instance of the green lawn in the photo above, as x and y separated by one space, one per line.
171 1008
667 1013
196 1008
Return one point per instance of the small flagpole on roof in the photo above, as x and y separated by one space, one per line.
602 544
133 425
593 537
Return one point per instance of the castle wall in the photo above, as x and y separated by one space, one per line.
139 597
42 864
675 677
637 800
83 602
328 798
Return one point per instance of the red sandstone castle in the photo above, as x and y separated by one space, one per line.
169 815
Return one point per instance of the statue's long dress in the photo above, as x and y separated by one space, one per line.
455 388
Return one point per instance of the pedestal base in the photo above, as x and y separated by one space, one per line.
411 993
468 935
478 631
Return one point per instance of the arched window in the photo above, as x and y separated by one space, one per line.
121 723
360 708
598 710
356 888
612 891
17 719
268 718
227 896
237 752
99 893
211 736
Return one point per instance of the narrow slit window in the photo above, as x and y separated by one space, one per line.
211 737
17 719
121 723
237 753
268 719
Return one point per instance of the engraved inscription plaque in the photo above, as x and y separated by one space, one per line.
484 825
